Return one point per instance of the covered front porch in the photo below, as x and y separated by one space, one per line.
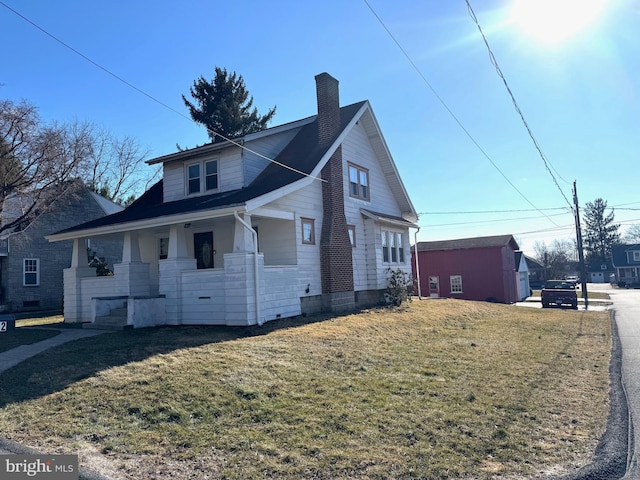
196 271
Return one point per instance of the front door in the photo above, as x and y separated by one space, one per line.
203 249
434 287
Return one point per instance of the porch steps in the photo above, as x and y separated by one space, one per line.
116 320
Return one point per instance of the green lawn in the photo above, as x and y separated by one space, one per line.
440 389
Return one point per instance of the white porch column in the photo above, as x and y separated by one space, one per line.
171 269
240 288
132 275
242 238
72 278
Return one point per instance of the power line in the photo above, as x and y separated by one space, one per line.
151 97
547 164
492 221
446 107
491 211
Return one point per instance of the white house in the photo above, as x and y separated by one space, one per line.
305 217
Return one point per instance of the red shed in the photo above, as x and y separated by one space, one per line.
481 268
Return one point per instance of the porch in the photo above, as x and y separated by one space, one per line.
179 276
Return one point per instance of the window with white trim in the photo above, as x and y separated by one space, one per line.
193 178
31 272
358 182
197 182
636 256
392 247
456 283
211 175
351 230
308 231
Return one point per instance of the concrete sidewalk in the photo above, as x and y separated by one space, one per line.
12 357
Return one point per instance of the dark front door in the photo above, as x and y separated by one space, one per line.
203 248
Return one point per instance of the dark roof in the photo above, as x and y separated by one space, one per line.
302 153
464 243
532 262
619 254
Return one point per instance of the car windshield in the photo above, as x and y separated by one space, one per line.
558 284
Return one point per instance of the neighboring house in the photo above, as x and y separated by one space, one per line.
481 268
599 272
626 262
537 272
31 268
305 217
524 287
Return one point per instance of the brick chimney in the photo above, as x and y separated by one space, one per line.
336 264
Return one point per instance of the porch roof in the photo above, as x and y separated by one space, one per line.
385 218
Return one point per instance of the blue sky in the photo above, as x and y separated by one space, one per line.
580 95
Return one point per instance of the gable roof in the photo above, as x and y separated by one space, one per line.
303 154
619 256
532 263
16 204
466 243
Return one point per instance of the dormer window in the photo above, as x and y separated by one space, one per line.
194 178
211 175
636 255
196 183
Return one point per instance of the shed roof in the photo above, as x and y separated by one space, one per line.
466 243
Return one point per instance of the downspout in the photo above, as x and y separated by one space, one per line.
256 277
415 247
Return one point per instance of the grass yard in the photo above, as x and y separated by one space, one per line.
439 389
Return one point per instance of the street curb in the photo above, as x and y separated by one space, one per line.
614 447
16 448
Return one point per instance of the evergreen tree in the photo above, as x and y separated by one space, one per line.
224 107
600 233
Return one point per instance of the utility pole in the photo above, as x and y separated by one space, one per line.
583 268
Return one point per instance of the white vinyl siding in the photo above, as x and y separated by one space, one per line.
229 175
370 269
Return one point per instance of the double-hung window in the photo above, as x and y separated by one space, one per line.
636 256
31 272
211 175
358 182
202 177
193 178
392 247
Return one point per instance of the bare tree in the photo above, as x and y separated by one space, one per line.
555 257
38 161
116 168
41 162
632 235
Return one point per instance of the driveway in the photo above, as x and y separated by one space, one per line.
626 304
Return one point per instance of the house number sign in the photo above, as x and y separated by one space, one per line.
3 326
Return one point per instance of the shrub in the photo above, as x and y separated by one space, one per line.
399 287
